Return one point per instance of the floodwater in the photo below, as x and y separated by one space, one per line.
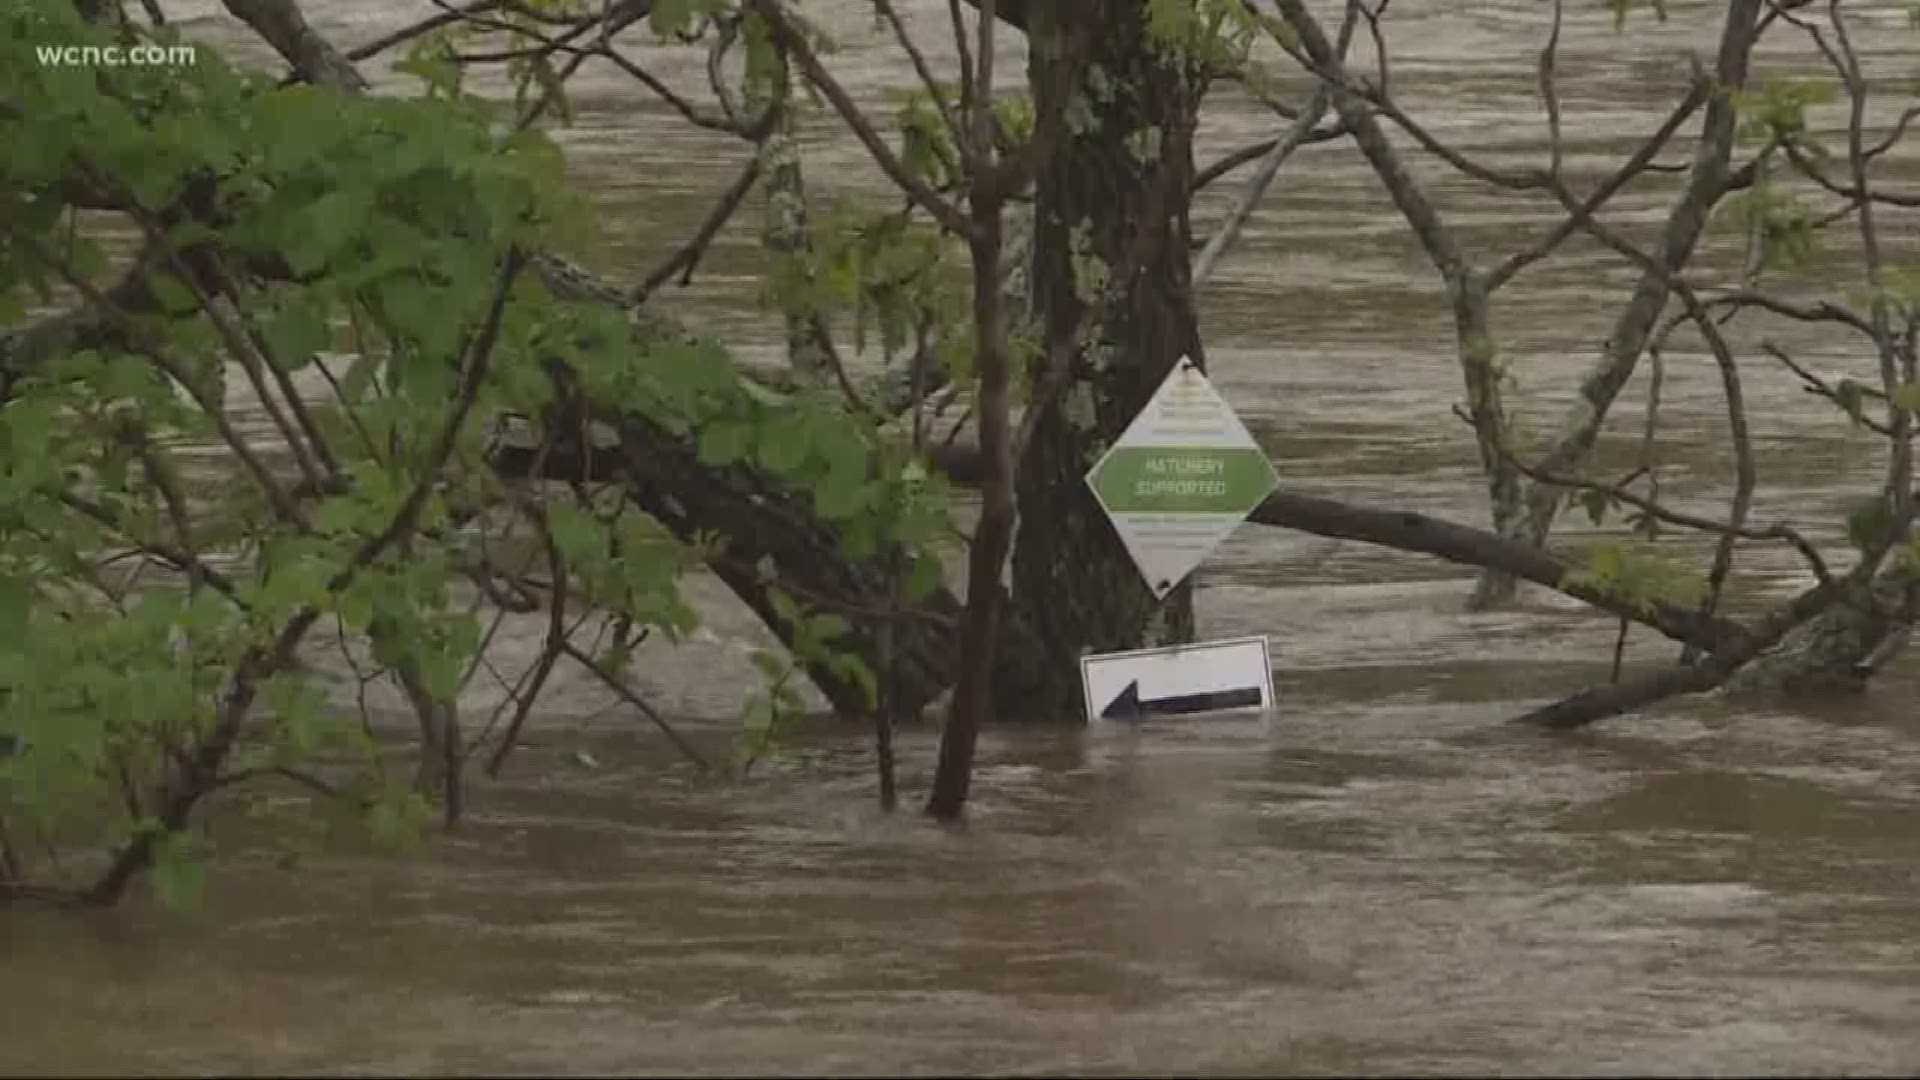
1381 876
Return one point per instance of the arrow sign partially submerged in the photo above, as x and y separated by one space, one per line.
1129 705
1179 680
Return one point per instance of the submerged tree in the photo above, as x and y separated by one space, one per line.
387 276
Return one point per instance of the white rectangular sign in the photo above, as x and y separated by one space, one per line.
1208 676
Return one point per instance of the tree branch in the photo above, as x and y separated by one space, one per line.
281 25
1408 531
794 43
619 686
686 258
1684 224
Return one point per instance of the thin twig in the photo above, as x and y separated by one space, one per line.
686 258
1550 91
184 561
925 71
620 687
549 652
304 779
214 410
407 33
1814 384
1779 532
789 38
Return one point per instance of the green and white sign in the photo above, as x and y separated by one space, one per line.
1180 478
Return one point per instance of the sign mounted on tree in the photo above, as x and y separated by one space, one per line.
1180 478
1211 676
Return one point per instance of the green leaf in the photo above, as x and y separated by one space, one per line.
576 533
846 487
1850 395
784 607
340 515
173 294
826 626
1869 523
179 876
671 16
849 666
396 820
1596 503
769 665
1907 396
16 609
440 673
551 85
723 442
923 575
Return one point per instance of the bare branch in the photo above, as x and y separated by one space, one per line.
1262 178
693 113
1407 531
794 43
304 779
1243 204
1899 481
1255 151
1382 58
1684 224
619 686
1735 529
925 71
556 641
1820 311
425 26
1893 137
282 25
1814 384
1744 473
1806 166
1354 111
1640 161
1550 91
185 561
686 258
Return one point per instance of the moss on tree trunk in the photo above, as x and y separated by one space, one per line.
1111 297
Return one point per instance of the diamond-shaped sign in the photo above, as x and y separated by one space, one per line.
1180 478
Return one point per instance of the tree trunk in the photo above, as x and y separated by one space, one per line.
1111 297
1839 649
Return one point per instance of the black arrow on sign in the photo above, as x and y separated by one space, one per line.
1127 705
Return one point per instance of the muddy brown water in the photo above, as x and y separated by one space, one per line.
1379 877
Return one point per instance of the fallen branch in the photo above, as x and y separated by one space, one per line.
1407 531
1627 695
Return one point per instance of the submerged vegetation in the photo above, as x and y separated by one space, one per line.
397 280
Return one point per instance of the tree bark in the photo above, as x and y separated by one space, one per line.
765 522
979 631
1706 184
1110 201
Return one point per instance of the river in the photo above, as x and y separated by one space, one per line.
1381 876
